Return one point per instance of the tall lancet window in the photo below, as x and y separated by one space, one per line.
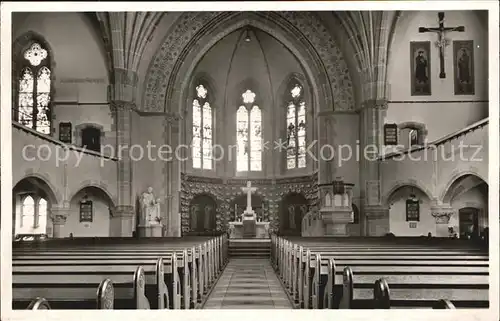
202 129
296 128
33 96
249 134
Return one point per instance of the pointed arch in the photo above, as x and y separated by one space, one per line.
401 184
32 95
461 182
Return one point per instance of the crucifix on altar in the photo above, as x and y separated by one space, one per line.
249 190
442 42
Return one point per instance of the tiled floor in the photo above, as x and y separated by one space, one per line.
248 284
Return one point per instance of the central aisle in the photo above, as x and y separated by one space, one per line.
248 283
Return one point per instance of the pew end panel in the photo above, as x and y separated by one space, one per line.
347 289
39 304
381 295
161 287
140 299
444 304
106 295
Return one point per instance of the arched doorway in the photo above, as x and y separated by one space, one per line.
468 195
32 199
202 211
293 208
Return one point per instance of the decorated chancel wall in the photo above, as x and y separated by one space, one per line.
199 196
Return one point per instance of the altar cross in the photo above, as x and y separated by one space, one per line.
442 41
249 190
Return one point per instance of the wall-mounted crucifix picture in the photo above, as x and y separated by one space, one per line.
420 68
463 65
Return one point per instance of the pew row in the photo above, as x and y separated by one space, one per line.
419 278
66 277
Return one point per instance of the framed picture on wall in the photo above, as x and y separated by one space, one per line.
86 211
412 210
463 67
420 64
65 133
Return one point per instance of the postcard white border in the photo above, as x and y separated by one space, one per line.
243 315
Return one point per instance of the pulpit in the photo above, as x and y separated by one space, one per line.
336 207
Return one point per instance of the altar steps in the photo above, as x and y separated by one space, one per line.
250 248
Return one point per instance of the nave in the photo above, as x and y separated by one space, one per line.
281 273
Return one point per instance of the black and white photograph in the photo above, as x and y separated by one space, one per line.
222 156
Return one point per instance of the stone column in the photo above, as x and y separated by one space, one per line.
172 174
58 215
442 215
122 221
371 124
122 96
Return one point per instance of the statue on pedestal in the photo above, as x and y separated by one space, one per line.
150 208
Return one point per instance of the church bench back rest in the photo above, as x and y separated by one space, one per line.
105 295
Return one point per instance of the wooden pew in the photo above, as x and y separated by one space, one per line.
206 261
289 260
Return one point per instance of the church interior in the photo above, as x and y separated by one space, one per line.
214 160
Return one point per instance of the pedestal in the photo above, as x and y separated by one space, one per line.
336 229
336 222
149 230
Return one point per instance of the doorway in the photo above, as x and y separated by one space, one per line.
469 222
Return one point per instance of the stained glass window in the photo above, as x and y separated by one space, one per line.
249 134
34 84
296 128
201 149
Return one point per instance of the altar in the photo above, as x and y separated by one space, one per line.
248 227
236 230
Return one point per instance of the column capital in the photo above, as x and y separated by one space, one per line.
173 117
380 104
58 215
122 105
442 214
